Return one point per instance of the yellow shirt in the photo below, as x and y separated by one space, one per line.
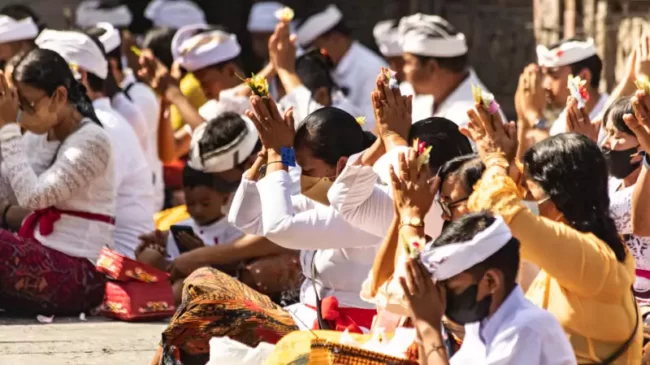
171 216
191 88
581 282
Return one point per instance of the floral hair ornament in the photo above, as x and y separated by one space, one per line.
361 120
391 78
578 89
486 99
423 152
285 14
258 85
75 71
643 83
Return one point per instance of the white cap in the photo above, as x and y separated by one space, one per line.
387 38
318 24
111 39
262 16
225 157
431 36
76 48
12 30
89 14
174 13
195 51
566 54
452 259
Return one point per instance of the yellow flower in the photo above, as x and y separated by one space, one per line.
136 51
643 83
259 85
285 14
361 120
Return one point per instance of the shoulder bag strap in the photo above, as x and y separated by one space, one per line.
322 324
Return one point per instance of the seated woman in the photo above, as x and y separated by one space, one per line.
49 266
207 238
593 275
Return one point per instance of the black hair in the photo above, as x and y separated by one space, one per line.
194 178
456 64
468 169
314 70
20 12
331 133
594 64
47 70
116 54
443 136
616 111
572 170
159 41
15 59
220 132
506 259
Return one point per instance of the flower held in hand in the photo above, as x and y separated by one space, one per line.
486 99
285 14
578 89
423 151
643 83
258 84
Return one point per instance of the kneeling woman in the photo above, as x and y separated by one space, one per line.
62 184
335 257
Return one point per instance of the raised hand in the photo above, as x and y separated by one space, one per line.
490 134
276 131
639 123
578 121
532 98
392 112
154 73
413 188
427 300
282 48
8 102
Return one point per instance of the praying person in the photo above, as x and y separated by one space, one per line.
18 29
386 34
65 198
356 65
546 84
468 274
567 176
134 211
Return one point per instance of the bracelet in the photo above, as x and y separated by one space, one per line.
4 224
435 349
262 169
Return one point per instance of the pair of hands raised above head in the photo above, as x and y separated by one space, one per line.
155 74
276 131
392 111
282 48
639 123
8 102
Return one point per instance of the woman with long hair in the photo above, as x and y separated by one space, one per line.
586 271
61 189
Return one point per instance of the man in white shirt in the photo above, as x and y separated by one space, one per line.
436 65
556 63
18 29
357 67
134 209
144 116
386 35
475 261
212 55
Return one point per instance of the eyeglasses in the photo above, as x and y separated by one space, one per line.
446 207
26 106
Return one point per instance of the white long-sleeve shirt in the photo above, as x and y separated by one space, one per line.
357 71
149 105
343 254
134 212
358 197
519 332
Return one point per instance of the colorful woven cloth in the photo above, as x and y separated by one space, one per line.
35 279
215 305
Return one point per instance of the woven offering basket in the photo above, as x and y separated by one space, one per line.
324 352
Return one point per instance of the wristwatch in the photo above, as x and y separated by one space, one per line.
414 222
541 123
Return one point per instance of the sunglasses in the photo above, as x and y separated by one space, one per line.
446 207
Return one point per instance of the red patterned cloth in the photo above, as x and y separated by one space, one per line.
341 319
45 219
35 279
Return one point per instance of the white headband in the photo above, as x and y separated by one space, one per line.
387 38
450 260
428 35
262 17
89 14
194 52
76 48
111 38
226 157
318 24
174 13
566 54
12 30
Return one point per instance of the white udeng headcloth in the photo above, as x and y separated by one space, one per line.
89 13
566 54
450 260
387 38
174 13
111 39
76 48
195 51
318 24
226 157
428 35
12 30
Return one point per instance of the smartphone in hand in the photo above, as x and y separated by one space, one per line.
176 230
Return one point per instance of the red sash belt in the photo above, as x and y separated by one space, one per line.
45 219
341 319
643 273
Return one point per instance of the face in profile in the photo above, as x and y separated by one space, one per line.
39 110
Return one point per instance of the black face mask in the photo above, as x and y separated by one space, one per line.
618 162
463 308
